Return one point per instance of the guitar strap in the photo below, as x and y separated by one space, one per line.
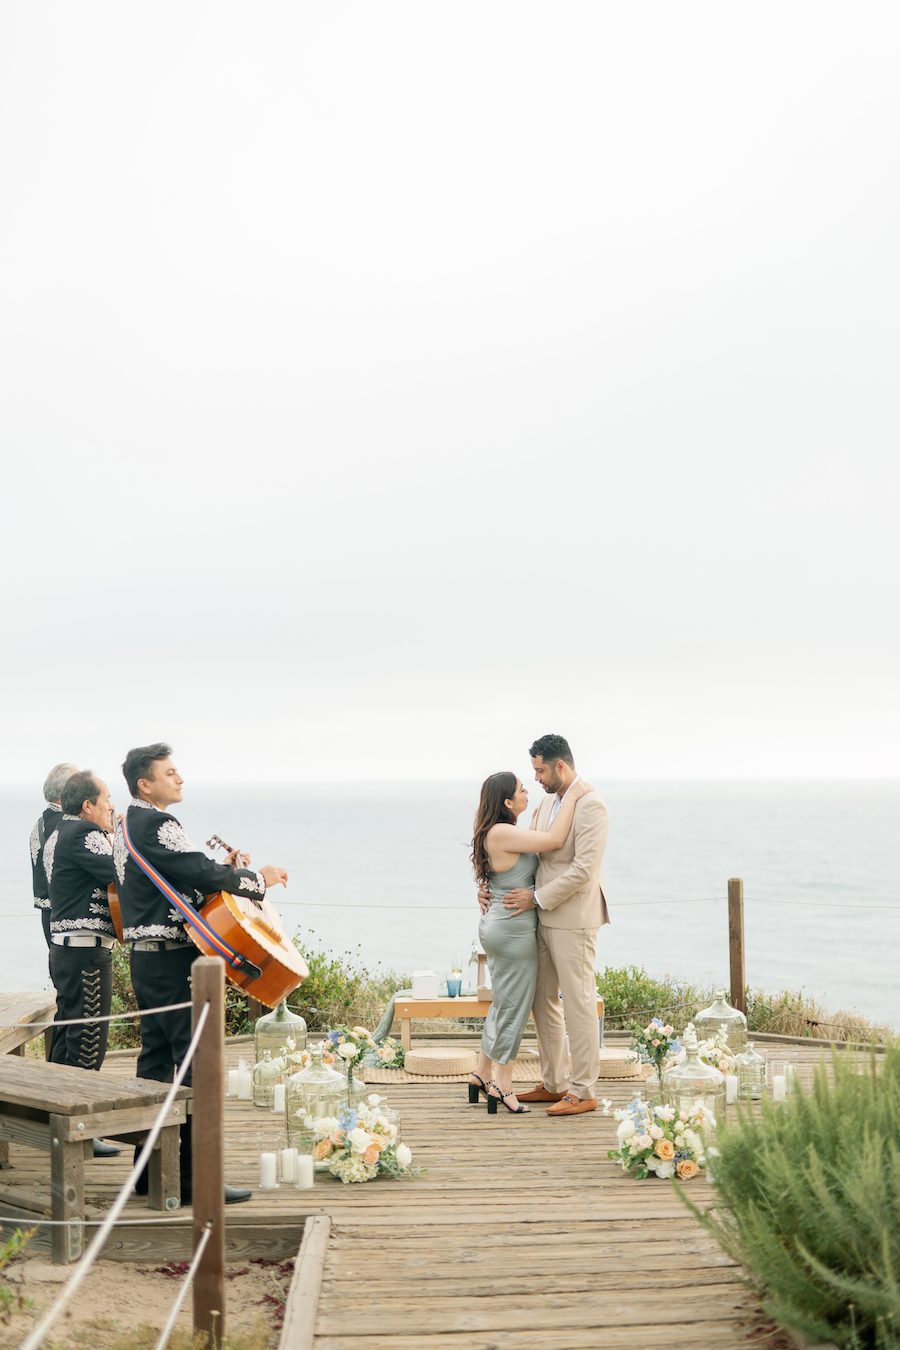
230 956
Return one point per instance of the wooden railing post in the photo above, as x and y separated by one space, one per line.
736 944
208 1134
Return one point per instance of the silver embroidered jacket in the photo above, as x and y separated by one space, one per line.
146 912
44 826
79 864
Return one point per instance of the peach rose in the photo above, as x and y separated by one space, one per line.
665 1149
322 1149
686 1169
370 1157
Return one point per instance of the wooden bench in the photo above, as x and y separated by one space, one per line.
406 1008
62 1111
16 1011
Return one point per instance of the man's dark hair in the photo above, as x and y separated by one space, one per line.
551 748
80 788
139 763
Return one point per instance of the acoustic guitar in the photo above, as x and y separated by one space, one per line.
115 910
273 966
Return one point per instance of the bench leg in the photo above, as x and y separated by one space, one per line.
66 1192
164 1180
4 1154
602 1020
405 1024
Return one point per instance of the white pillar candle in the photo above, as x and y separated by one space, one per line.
278 1099
245 1084
731 1089
305 1172
779 1087
268 1172
233 1082
289 1164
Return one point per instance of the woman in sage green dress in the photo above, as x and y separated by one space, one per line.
505 858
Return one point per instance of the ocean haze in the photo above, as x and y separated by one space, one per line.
382 870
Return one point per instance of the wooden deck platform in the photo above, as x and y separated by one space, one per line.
520 1234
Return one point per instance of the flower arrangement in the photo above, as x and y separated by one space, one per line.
660 1140
292 1059
388 1055
656 1043
360 1143
350 1043
716 1051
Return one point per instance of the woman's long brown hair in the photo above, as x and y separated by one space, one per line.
492 810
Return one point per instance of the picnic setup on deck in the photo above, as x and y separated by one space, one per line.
302 1114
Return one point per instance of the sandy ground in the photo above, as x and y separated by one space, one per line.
118 1299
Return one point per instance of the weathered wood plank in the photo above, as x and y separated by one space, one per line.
18 1009
301 1306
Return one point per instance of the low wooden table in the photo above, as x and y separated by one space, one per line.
62 1111
465 1005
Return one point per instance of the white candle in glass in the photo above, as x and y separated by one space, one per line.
779 1087
278 1099
268 1171
289 1164
731 1089
305 1172
245 1084
233 1082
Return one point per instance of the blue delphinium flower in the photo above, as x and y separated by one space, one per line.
334 1037
347 1118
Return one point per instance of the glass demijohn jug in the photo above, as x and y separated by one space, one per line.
693 1083
265 1075
276 1028
721 1014
314 1092
750 1068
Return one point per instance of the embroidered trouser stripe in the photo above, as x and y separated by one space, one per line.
83 980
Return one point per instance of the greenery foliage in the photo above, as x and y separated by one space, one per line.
11 1299
809 1203
631 995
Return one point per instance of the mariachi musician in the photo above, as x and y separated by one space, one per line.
162 953
44 826
79 865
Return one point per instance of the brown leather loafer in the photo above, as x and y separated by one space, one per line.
539 1094
570 1105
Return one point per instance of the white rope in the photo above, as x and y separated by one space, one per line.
85 1021
36 1338
84 1223
185 1286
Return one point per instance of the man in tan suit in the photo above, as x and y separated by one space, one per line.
571 906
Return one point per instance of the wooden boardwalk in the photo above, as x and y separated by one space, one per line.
521 1233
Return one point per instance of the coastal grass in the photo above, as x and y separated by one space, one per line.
809 1203
341 989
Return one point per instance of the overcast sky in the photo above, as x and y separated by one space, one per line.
386 384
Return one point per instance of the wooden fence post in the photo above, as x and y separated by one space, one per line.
208 1135
736 944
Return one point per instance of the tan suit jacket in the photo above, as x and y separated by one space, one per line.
570 879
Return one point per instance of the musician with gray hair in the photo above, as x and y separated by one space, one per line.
44 826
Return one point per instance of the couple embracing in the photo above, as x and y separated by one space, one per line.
542 903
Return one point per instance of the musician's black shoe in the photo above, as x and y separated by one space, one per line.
104 1150
233 1195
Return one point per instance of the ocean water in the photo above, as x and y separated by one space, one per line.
382 871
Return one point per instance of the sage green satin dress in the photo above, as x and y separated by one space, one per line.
510 944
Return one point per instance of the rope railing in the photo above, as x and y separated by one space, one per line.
185 1286
86 1021
91 1253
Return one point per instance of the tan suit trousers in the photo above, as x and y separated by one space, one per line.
566 964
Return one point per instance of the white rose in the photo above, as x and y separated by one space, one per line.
655 1132
625 1129
693 1140
359 1140
328 1124
346 1050
404 1155
373 1099
665 1169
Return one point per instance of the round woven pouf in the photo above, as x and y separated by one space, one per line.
615 1063
439 1061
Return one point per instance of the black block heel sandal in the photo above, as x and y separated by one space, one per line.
493 1101
476 1089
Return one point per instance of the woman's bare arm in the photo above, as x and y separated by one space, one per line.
510 839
